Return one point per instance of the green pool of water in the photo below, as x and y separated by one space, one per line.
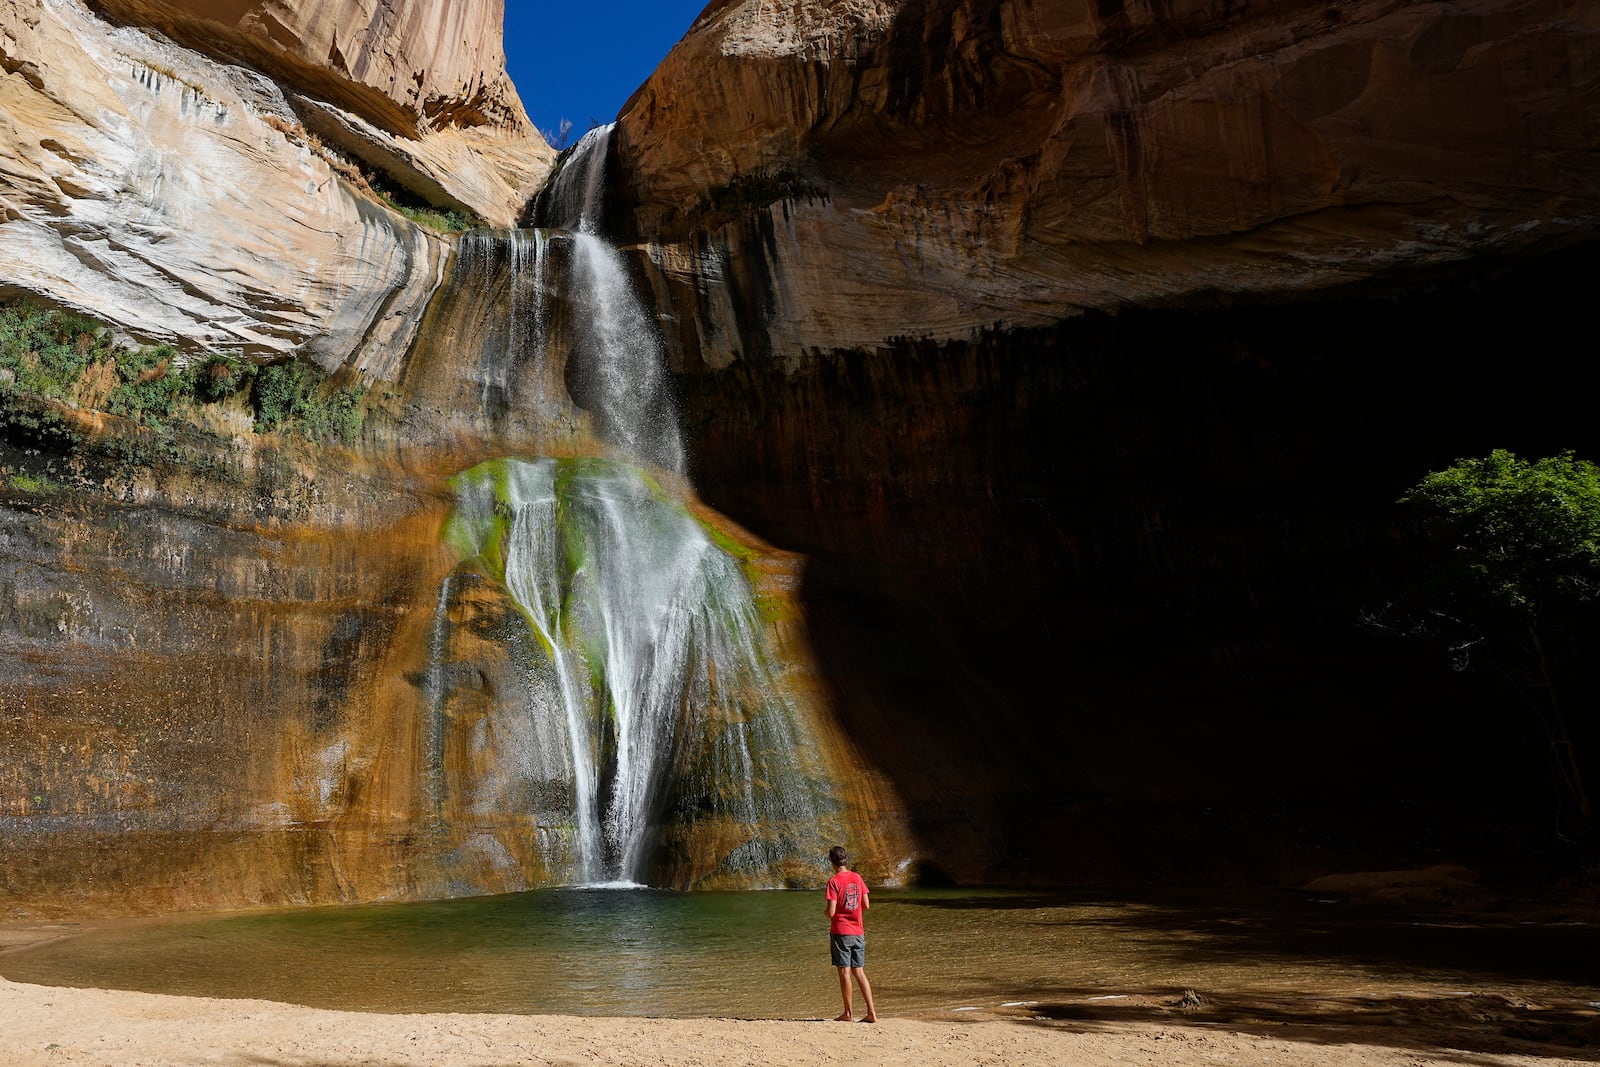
764 955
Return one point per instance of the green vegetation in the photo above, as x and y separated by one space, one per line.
65 358
28 483
1516 590
453 221
44 353
298 395
219 377
149 384
419 210
1526 536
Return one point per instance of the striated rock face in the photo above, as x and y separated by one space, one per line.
394 62
159 189
237 667
253 683
852 172
185 200
416 89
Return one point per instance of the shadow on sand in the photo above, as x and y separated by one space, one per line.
1527 973
1469 1029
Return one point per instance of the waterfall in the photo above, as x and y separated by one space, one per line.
627 386
622 373
529 316
664 676
573 199
520 261
598 348
653 697
433 686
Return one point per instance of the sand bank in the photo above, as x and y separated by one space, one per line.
44 1026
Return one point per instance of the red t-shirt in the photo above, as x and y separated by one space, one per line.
850 891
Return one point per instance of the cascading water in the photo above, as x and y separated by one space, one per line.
653 695
627 382
616 344
573 198
657 653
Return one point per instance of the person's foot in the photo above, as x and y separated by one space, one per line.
845 1018
870 1019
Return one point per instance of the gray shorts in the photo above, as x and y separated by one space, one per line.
849 950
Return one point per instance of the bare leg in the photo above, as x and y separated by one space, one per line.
844 991
866 992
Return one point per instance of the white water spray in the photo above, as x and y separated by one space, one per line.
627 381
660 654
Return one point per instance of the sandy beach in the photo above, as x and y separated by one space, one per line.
47 1027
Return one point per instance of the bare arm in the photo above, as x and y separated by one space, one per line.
833 906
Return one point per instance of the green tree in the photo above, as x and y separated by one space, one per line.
1516 588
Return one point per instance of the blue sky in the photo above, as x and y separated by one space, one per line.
581 59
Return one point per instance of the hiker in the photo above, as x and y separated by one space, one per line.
847 901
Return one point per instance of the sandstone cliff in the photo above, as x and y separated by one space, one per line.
1084 348
878 169
245 665
1082 352
418 90
241 663
190 199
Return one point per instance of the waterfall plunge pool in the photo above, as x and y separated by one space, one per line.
931 953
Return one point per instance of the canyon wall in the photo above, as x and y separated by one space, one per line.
1084 349
1051 370
242 665
251 668
416 90
823 176
188 198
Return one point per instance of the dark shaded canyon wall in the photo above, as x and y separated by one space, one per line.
1092 595
1085 349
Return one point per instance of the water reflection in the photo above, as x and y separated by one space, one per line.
930 952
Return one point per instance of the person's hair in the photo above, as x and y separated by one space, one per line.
836 855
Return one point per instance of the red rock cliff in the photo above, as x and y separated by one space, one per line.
1006 161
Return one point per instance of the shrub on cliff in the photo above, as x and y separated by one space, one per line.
295 394
150 384
62 357
1515 589
45 352
220 377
